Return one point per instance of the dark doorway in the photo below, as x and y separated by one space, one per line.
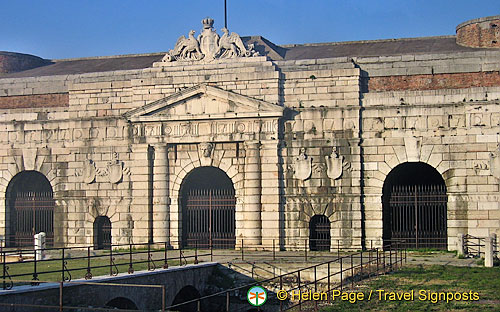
30 209
186 294
208 209
122 303
414 207
319 233
102 233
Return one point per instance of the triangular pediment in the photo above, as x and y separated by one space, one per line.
204 102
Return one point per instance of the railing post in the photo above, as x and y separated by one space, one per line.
341 273
180 255
227 301
377 260
361 266
165 262
111 261
62 266
300 297
163 295
242 252
352 273
329 284
305 249
61 296
149 256
4 286
274 251
198 309
390 257
196 252
338 248
281 287
211 253
130 266
35 274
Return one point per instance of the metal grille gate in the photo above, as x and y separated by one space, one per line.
209 218
319 233
33 213
102 230
418 215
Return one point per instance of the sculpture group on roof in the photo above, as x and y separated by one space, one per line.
209 46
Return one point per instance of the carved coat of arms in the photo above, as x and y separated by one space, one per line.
334 164
303 165
208 39
115 170
495 163
89 171
209 46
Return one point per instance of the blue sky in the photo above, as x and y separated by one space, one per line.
80 28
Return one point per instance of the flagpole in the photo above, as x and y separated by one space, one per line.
225 14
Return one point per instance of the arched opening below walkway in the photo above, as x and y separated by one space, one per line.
29 200
102 233
414 207
186 294
122 303
319 233
208 209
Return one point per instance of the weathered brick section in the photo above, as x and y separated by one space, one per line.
13 62
482 32
434 82
35 101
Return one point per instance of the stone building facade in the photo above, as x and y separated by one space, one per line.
330 138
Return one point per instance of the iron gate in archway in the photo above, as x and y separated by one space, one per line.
319 233
209 218
102 233
32 213
418 215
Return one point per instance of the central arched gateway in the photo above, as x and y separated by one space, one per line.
414 206
208 209
30 205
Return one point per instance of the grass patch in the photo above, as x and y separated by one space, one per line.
431 279
50 270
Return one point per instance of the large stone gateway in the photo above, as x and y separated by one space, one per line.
234 140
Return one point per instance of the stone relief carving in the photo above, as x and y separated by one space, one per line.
209 46
207 149
334 164
495 163
303 165
115 170
89 171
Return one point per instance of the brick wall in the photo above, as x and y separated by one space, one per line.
482 32
434 82
34 101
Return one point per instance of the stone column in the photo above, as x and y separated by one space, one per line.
250 221
161 222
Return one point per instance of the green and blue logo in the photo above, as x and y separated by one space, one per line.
257 296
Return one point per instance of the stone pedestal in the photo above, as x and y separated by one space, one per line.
488 252
40 246
461 244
